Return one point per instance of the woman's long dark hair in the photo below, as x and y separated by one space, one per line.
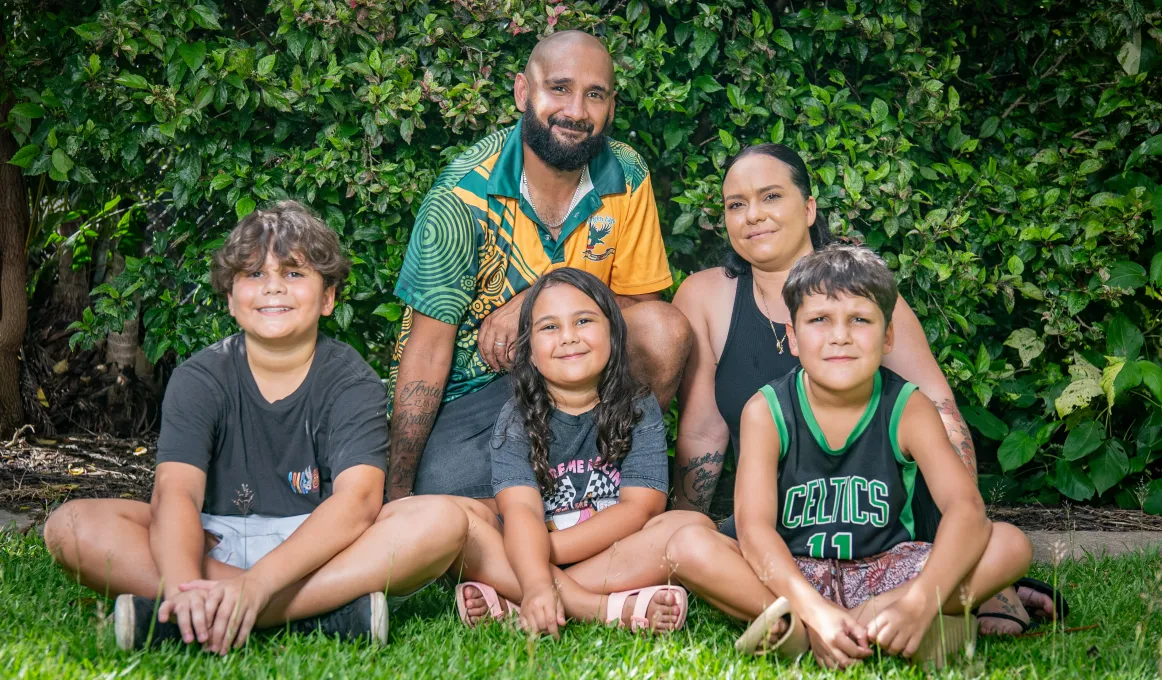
617 389
819 230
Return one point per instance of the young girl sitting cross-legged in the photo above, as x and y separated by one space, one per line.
830 456
580 472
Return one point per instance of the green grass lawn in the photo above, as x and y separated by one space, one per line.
50 628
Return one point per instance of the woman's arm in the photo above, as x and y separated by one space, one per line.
636 506
526 544
912 359
702 433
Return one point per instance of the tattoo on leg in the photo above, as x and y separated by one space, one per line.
698 478
958 434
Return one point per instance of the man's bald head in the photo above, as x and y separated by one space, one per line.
569 45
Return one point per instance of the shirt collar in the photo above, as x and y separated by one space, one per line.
604 171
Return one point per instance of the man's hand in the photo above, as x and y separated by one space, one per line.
233 606
837 639
541 612
900 628
496 341
189 609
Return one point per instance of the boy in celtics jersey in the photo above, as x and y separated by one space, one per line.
830 455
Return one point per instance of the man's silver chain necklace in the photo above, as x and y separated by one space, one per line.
524 181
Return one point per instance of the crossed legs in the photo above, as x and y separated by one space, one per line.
104 545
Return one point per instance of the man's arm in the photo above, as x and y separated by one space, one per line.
419 389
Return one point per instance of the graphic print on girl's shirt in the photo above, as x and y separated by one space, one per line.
581 489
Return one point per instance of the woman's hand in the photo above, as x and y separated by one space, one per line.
541 612
838 640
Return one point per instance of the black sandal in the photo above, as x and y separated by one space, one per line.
1060 606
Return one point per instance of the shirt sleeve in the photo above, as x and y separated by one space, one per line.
648 462
438 277
357 428
639 263
510 452
190 416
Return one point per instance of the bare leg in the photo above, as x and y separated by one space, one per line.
413 541
104 546
484 560
712 566
660 339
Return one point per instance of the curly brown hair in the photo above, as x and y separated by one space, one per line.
615 414
295 235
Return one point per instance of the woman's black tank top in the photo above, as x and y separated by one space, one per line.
750 357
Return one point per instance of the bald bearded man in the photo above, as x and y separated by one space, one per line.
552 191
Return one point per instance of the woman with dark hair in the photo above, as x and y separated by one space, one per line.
739 321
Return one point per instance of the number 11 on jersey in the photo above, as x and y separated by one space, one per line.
841 542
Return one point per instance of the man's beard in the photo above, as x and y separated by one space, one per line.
563 157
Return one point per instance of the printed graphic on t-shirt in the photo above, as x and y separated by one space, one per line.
581 489
843 500
600 227
306 481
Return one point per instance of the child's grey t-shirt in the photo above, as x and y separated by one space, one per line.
278 459
582 486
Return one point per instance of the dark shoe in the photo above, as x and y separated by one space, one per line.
132 618
365 617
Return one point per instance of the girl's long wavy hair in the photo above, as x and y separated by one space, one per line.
819 231
617 389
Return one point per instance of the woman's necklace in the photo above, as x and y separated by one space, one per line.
778 342
524 180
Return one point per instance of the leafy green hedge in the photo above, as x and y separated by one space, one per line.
1000 154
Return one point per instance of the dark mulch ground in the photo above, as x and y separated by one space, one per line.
38 474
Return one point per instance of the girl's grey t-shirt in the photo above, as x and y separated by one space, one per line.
278 459
582 485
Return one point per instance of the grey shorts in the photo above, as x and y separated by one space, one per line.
457 459
242 541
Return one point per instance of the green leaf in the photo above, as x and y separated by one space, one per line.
1153 502
132 80
726 138
244 206
879 110
1129 377
61 161
343 315
1072 481
193 54
1083 440
1126 274
84 175
1150 147
1077 395
989 128
1089 165
1027 344
266 65
1015 265
1017 449
24 157
1108 376
1123 339
1109 467
28 110
155 349
986 423
221 181
783 39
1156 269
89 32
1130 54
406 127
778 130
389 310
1151 378
206 17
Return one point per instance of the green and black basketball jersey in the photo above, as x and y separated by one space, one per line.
846 503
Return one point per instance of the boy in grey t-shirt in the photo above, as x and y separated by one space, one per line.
268 499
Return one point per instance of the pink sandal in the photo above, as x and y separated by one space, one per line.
491 598
638 621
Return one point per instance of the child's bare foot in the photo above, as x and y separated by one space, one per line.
476 605
664 611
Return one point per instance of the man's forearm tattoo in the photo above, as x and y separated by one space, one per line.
698 478
958 434
416 405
